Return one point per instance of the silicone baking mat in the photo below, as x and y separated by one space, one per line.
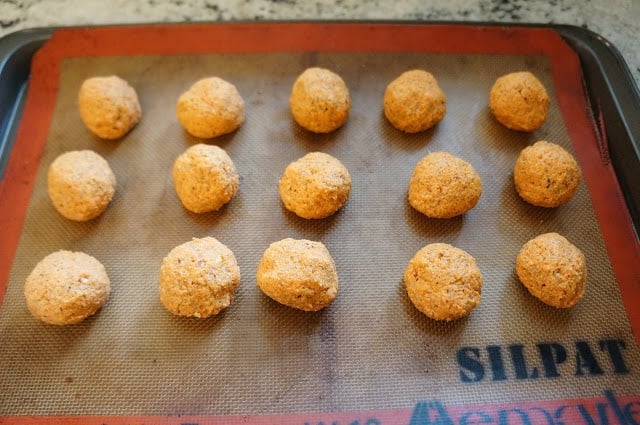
370 357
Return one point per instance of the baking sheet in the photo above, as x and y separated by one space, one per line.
370 349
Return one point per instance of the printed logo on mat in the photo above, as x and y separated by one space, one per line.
611 410
500 363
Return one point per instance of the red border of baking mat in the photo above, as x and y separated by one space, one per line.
607 409
613 217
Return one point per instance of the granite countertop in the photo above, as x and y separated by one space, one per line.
617 21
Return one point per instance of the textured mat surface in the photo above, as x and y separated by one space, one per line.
371 348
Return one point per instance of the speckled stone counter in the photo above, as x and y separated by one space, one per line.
617 21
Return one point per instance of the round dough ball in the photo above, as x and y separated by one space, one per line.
81 184
205 178
315 186
199 278
414 102
210 108
320 100
299 274
553 270
546 175
108 106
444 186
519 101
66 287
443 282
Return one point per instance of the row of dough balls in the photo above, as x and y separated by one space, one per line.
81 184
199 279
319 102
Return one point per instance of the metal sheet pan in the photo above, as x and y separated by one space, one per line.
343 359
